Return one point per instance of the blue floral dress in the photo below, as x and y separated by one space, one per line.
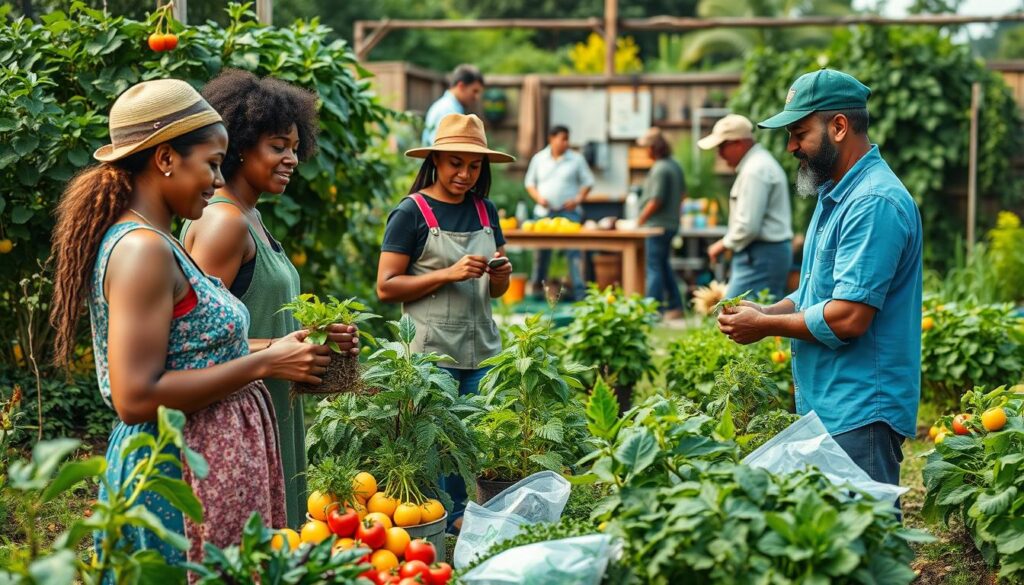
236 435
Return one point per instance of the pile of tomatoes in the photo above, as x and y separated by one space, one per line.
995 408
376 522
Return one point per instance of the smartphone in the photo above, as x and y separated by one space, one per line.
497 262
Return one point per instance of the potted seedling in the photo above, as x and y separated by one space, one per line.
316 316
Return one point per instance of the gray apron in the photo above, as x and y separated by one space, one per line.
455 320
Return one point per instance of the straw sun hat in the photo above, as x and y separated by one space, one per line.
151 113
461 133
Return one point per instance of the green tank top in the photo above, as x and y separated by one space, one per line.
274 283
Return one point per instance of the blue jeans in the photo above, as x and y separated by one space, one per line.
453 485
759 266
661 281
573 257
875 448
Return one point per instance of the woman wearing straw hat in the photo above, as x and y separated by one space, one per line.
164 333
443 254
273 126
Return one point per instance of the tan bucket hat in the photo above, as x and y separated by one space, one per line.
151 113
461 133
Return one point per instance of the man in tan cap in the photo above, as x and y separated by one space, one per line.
760 221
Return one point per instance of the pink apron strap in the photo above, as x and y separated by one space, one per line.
428 213
481 212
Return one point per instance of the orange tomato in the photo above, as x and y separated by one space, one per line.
397 539
364 485
316 505
380 502
285 535
315 532
994 419
408 514
384 560
382 518
431 510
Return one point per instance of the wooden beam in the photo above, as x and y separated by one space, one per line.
680 23
972 167
265 12
611 28
555 80
179 10
530 23
373 40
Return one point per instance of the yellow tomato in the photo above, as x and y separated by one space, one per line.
529 226
927 324
380 502
315 532
343 544
332 190
299 258
384 560
431 510
941 436
316 505
397 540
6 246
382 518
285 535
779 357
994 419
513 223
364 485
408 514
932 432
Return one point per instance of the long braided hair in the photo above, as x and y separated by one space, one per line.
428 176
91 203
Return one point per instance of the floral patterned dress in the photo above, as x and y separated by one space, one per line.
237 435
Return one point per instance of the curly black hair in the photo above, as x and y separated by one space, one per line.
252 107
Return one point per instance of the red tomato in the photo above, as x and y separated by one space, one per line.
385 578
960 424
343 521
413 569
421 550
372 534
440 573
170 41
410 581
157 42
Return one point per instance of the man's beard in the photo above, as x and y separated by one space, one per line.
815 170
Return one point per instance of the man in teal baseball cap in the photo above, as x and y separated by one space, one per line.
855 319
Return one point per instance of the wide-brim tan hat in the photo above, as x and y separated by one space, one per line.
731 127
461 133
151 113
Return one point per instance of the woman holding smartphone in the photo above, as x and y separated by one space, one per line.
443 255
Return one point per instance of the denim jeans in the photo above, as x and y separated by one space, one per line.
453 485
661 281
542 261
877 449
759 266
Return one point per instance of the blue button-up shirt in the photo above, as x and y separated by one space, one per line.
863 245
447 104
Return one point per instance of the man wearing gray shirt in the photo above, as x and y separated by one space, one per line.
760 230
558 179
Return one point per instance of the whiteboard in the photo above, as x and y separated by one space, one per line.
582 111
629 112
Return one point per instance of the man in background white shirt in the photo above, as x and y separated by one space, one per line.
559 179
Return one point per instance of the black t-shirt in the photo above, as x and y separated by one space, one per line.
407 231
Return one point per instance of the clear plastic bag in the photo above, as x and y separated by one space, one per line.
806 442
538 498
581 560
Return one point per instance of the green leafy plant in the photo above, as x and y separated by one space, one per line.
36 482
612 332
687 512
255 557
1005 242
963 346
701 352
530 419
978 478
746 386
729 303
411 413
316 316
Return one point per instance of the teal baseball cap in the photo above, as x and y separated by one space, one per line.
822 90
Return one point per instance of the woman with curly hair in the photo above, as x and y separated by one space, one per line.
164 332
273 126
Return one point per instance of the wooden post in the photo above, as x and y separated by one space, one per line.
265 12
179 9
611 35
972 168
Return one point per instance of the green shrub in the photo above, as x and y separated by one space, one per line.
696 358
963 346
611 331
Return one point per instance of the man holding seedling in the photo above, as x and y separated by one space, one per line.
760 227
855 320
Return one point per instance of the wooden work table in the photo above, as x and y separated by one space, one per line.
630 243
